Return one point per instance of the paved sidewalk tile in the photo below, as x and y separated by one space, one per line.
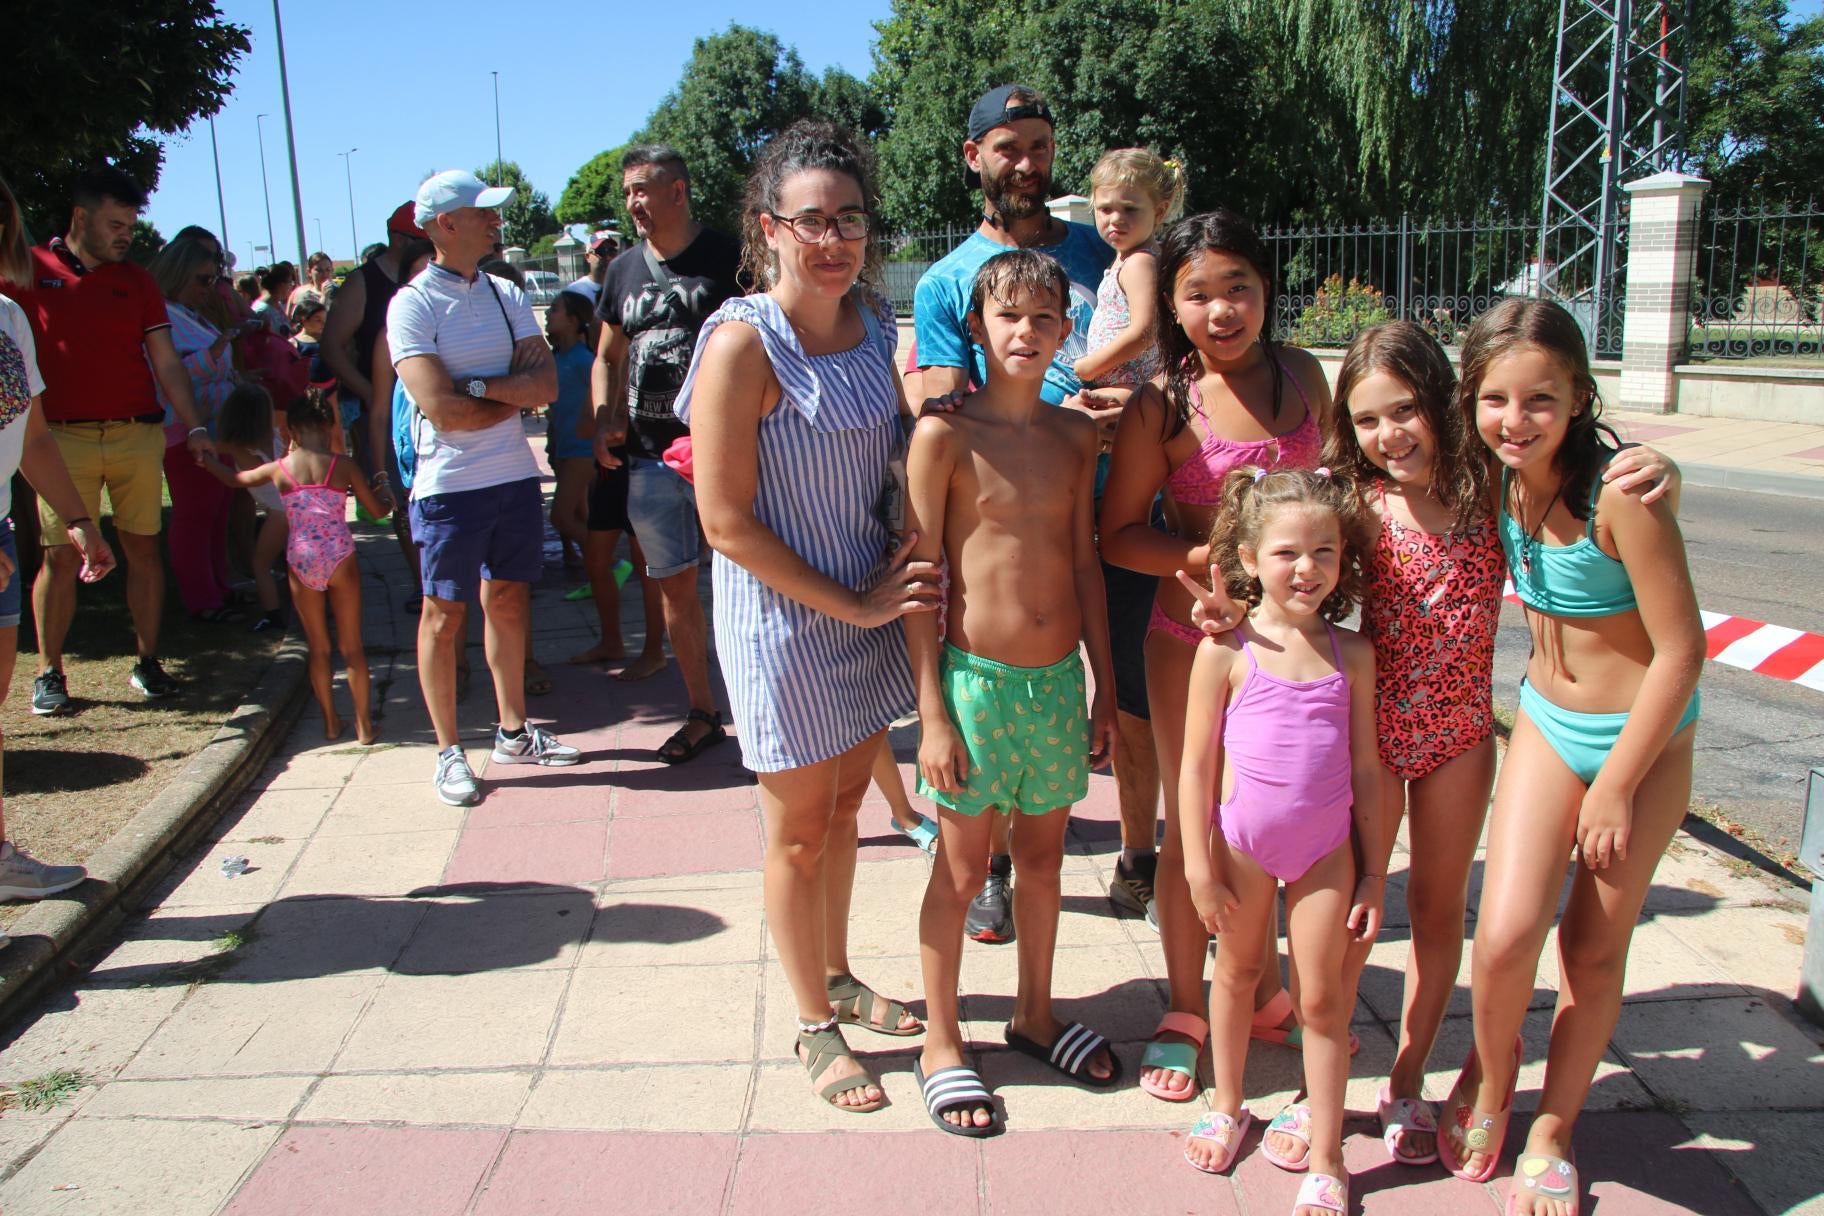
537 852
909 1172
684 844
549 1172
126 1167
1768 1151
490 1099
661 1097
1077 1173
312 1171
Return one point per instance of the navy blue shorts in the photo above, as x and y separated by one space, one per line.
496 533
12 598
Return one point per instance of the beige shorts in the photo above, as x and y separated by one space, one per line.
128 458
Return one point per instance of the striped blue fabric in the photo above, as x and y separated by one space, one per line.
804 686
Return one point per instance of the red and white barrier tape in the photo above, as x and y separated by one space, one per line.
1770 650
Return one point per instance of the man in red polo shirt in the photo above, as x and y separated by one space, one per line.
103 335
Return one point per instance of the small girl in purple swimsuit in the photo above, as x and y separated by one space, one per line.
314 484
1281 782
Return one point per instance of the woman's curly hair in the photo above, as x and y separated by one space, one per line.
1250 496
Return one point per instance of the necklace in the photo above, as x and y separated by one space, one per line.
1531 542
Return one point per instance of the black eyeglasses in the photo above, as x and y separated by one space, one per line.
809 229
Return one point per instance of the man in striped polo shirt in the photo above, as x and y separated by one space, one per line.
471 356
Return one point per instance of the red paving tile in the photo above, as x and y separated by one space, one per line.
1062 1173
1810 454
845 1172
553 1172
511 803
684 844
401 1171
1648 432
541 852
714 781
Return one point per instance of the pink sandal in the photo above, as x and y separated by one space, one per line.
1294 1121
1323 1192
1265 1025
1400 1116
1483 1132
1180 1058
1224 1132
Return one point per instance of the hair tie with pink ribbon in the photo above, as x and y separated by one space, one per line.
1258 474
1323 471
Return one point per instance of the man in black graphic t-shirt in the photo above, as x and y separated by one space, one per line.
654 300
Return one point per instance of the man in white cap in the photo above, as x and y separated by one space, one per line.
471 356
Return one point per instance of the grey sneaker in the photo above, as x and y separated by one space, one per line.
49 694
456 784
990 916
533 746
23 876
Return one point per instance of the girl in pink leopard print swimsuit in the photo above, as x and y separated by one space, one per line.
314 484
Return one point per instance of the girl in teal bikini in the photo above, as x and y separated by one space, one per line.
1600 757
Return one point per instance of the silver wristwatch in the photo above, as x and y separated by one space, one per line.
478 387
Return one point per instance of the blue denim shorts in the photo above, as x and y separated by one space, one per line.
662 510
13 597
496 533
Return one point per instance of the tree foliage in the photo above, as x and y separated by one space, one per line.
740 88
147 241
593 193
527 215
110 78
1757 94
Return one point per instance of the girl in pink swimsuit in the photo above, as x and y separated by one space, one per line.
314 484
1230 395
1282 783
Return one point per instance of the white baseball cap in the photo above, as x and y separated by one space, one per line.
452 190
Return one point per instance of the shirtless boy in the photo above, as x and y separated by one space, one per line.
1003 490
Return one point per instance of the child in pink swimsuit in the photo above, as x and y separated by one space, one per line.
314 484
1279 758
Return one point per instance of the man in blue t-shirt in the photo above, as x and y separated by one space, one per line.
1008 156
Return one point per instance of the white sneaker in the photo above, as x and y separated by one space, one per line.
23 876
455 782
533 746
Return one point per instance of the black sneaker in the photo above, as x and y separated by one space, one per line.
990 916
150 679
49 696
1132 889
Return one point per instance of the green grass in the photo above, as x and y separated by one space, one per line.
232 940
51 1089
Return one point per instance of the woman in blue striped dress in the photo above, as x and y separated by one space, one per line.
794 415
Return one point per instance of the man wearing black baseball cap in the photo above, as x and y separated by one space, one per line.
1008 156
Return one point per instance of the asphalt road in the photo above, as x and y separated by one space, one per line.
1758 556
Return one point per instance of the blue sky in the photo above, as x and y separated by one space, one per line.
411 96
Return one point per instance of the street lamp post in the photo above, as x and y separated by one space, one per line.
291 142
497 155
271 250
349 173
320 244
221 205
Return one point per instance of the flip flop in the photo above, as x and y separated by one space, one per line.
923 833
1547 1176
855 1003
1180 1058
1225 1133
949 1088
1323 1192
1070 1054
1265 1025
1483 1132
1401 1115
1294 1121
824 1047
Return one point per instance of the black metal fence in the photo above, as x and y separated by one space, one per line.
1758 284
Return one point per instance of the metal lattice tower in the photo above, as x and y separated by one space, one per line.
1618 96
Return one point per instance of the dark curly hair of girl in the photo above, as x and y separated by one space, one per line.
1517 324
1251 496
312 409
246 417
809 143
1405 351
1218 231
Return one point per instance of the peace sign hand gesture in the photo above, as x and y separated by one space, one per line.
1212 610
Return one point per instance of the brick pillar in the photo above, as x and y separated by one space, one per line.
1655 330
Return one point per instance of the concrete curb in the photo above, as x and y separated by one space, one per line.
1754 481
56 934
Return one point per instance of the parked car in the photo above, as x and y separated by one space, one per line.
542 286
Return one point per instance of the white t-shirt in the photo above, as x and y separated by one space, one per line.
19 383
472 326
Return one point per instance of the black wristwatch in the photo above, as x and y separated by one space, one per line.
478 387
